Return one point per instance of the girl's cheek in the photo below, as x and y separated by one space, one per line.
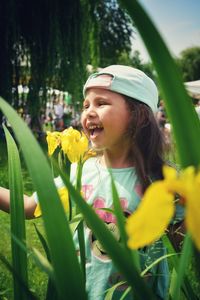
82 119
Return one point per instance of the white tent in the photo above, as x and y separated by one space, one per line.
193 88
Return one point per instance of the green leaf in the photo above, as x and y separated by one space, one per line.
42 262
19 257
125 293
183 263
51 293
156 262
75 222
133 254
80 227
43 242
111 290
118 212
81 241
186 285
68 276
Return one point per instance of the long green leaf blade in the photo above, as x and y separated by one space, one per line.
186 285
183 263
68 277
121 225
43 242
19 257
118 212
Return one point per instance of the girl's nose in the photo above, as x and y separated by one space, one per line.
91 112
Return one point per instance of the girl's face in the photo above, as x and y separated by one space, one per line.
105 119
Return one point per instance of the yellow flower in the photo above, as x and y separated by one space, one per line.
157 207
74 144
64 196
151 218
53 141
88 154
37 212
192 203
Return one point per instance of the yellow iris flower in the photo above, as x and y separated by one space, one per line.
53 141
74 144
157 207
64 197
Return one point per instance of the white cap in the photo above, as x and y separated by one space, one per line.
127 81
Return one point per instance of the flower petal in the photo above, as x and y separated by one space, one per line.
169 173
152 217
53 141
37 212
64 196
74 144
88 154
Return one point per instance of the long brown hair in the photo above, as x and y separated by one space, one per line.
147 142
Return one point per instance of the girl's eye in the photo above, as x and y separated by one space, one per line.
102 103
85 107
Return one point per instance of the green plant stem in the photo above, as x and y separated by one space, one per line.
133 254
80 228
183 263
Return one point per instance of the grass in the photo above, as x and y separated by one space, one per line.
37 279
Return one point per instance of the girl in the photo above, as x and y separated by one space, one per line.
118 118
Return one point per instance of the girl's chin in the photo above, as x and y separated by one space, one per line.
97 148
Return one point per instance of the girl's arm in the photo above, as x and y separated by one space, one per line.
29 203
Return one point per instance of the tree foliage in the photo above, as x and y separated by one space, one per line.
114 29
189 63
47 38
49 43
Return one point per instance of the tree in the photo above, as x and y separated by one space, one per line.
54 40
189 63
48 35
114 30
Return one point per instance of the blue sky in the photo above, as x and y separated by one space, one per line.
178 21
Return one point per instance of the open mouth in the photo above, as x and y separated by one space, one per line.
94 130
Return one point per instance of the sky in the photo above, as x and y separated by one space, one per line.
178 21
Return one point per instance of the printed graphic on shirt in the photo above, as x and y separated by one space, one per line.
86 190
110 220
138 190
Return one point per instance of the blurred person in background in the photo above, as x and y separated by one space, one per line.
58 114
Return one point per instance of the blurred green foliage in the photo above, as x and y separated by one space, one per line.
189 63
